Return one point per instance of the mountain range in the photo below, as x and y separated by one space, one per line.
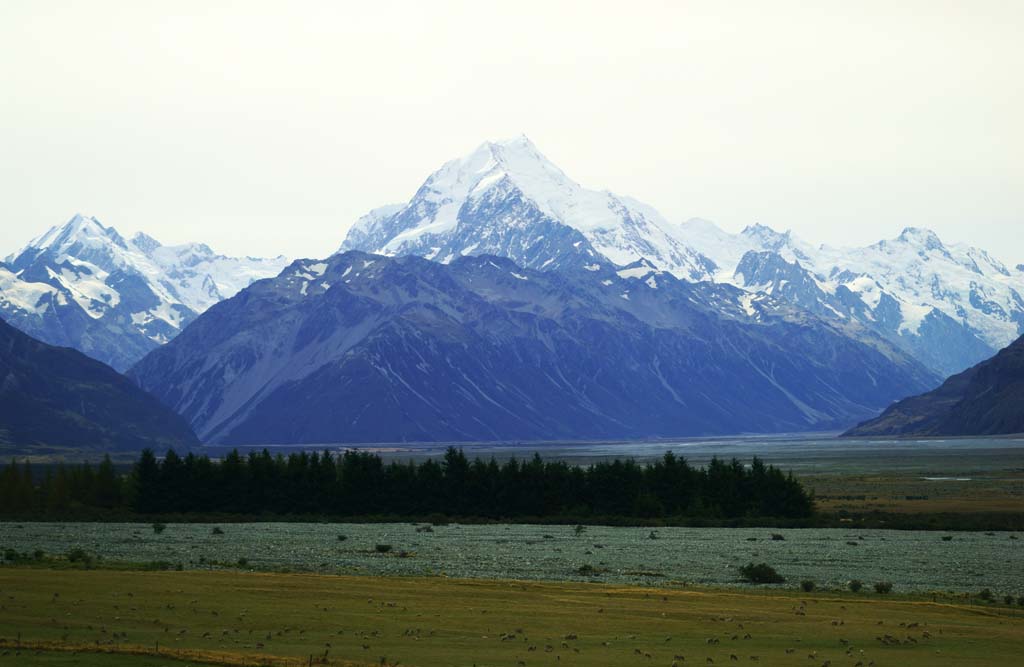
55 398
701 331
987 399
948 306
367 348
83 285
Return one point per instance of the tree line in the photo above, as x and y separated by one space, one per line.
359 484
61 488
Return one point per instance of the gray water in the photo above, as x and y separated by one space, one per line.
813 452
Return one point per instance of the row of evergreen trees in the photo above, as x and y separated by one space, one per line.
61 488
361 484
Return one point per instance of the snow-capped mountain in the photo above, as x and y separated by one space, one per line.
507 199
367 348
83 285
949 305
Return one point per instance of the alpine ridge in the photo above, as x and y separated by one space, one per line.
505 198
368 348
83 285
950 306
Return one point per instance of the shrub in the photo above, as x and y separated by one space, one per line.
883 587
1007 600
424 529
382 548
579 529
778 538
342 538
807 586
985 594
216 531
587 570
653 535
762 573
159 528
79 556
38 554
947 538
855 585
242 562
11 556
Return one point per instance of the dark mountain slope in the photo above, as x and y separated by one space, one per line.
364 348
59 397
987 399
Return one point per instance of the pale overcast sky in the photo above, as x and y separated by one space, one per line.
266 128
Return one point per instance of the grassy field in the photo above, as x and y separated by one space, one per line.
65 617
913 493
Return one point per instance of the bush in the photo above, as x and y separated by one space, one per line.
38 554
382 548
778 538
159 528
985 594
883 587
242 562
424 529
855 585
79 556
216 531
807 586
1007 600
762 573
11 556
342 538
